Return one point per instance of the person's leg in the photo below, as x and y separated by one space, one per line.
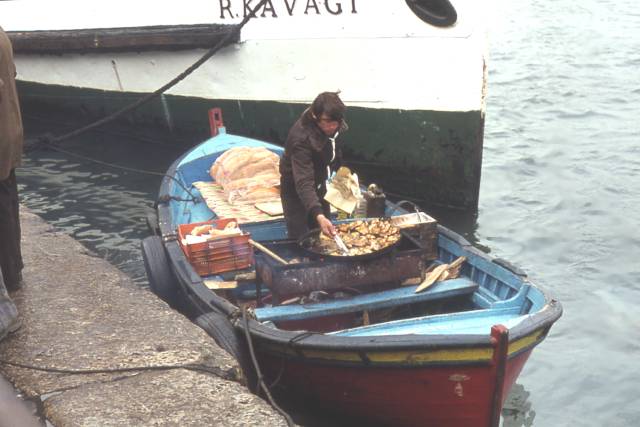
9 321
10 253
294 215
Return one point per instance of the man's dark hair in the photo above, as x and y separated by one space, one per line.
330 104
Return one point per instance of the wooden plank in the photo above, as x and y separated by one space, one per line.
160 37
373 301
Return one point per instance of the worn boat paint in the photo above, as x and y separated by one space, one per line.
415 92
409 372
443 169
428 396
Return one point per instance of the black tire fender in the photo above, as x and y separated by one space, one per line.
439 13
219 327
162 281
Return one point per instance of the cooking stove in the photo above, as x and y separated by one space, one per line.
306 273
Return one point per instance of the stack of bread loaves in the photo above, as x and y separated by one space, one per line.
248 174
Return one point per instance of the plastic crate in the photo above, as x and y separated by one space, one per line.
217 255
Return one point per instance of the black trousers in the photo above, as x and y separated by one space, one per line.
10 253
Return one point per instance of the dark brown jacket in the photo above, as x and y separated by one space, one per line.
303 174
11 133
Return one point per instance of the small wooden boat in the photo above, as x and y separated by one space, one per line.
347 334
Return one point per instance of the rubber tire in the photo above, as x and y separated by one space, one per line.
218 326
430 16
162 281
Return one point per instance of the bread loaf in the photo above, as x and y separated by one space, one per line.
266 178
201 229
247 174
215 168
262 194
252 169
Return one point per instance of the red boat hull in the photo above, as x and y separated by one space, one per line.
455 395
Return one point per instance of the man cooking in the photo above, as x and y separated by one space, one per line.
311 153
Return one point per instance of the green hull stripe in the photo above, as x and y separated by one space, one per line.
434 156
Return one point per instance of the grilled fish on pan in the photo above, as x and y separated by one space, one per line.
361 237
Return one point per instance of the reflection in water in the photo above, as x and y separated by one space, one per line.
517 411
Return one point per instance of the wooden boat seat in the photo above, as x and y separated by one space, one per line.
372 301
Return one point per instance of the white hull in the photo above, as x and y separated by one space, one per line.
376 52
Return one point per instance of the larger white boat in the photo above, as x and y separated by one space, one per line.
412 73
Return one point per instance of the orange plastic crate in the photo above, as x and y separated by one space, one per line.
217 255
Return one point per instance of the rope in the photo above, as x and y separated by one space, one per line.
226 40
193 199
111 132
261 382
201 368
233 317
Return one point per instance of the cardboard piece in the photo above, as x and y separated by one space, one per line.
271 208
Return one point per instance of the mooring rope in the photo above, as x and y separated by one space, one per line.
194 199
49 139
261 381
224 374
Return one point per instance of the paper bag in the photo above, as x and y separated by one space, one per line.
343 191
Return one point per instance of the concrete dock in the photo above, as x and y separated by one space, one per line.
79 313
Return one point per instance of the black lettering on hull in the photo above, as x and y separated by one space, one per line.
292 7
225 5
312 4
338 9
268 7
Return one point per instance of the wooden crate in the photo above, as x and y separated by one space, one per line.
219 254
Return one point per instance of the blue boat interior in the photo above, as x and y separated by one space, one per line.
484 295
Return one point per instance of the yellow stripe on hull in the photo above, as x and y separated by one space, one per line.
411 357
420 357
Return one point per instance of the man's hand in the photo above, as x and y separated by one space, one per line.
326 226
